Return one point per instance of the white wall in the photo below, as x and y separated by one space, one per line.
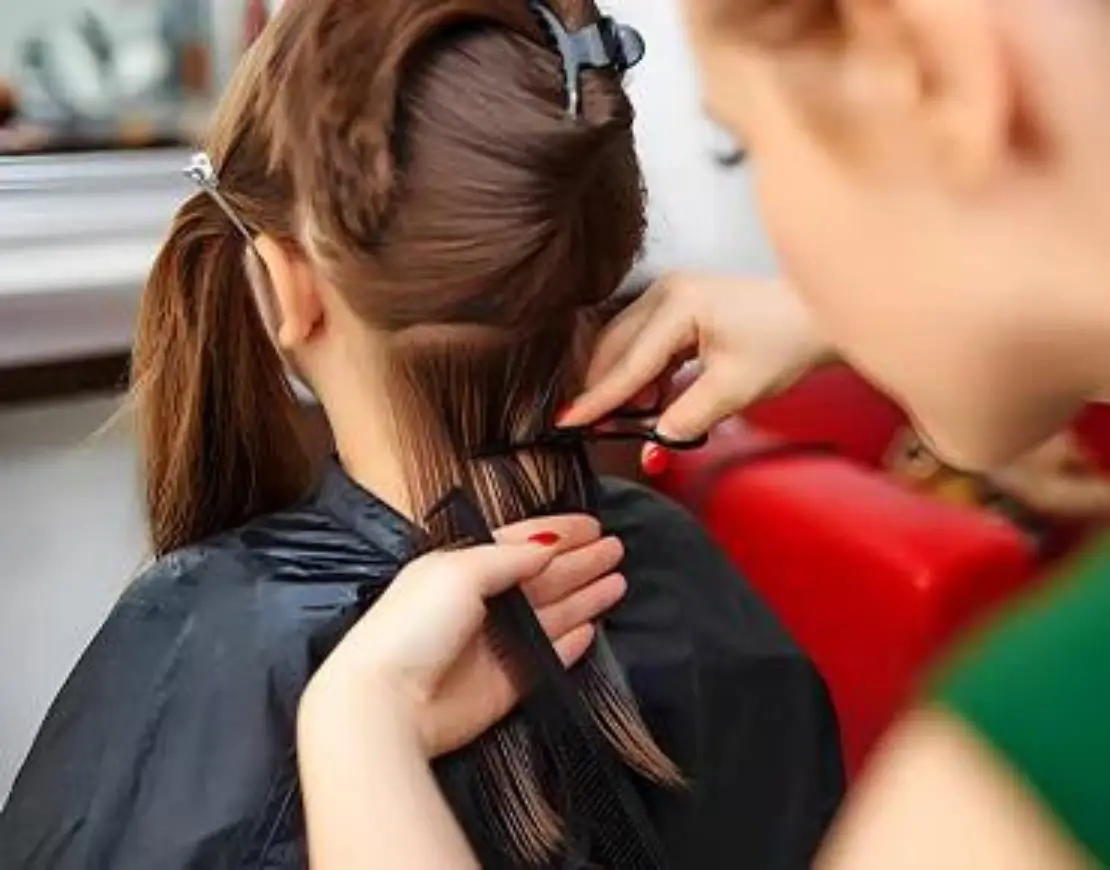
70 537
700 215
70 532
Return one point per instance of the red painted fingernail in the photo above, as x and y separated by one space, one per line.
545 539
562 414
654 460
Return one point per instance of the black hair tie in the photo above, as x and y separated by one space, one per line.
605 44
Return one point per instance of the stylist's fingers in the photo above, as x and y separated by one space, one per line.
667 333
701 406
622 330
575 644
581 554
582 607
561 532
434 609
489 569
574 569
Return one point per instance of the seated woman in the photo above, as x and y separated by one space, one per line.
407 217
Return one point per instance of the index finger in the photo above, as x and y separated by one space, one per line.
569 530
621 331
664 335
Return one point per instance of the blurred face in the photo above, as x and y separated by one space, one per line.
932 179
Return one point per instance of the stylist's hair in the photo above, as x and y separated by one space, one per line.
419 154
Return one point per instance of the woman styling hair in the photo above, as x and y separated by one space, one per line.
417 208
933 174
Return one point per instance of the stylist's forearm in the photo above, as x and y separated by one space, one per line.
370 798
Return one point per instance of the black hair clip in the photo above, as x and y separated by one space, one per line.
605 44
622 425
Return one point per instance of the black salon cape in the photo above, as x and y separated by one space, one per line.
171 745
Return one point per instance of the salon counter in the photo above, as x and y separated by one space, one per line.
77 236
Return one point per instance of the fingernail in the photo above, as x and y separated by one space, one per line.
654 460
545 539
562 414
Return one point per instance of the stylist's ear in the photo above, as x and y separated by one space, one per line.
297 307
950 59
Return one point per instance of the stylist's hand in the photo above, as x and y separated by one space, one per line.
421 650
1059 479
751 337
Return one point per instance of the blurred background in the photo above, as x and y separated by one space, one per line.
99 103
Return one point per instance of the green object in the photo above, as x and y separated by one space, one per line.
1037 688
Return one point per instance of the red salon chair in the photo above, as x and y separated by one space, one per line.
871 579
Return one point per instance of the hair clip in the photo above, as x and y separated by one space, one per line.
605 44
202 173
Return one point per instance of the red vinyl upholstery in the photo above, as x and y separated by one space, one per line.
833 405
1093 429
871 579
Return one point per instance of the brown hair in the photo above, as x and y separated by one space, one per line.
418 153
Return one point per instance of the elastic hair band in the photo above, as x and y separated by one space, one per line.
605 44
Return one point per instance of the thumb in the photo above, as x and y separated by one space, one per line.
698 409
491 569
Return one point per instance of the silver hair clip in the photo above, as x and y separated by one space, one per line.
202 173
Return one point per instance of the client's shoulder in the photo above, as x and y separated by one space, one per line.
642 517
271 583
299 547
668 555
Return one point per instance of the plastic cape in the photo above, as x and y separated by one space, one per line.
172 743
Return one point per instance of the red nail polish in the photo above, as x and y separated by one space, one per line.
562 414
654 460
545 539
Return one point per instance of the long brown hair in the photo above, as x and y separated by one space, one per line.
419 154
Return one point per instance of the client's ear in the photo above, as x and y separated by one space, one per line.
297 307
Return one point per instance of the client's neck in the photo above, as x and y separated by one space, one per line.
368 450
375 468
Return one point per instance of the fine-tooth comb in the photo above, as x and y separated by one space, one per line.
604 815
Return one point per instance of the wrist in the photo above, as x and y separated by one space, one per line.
338 706
812 352
812 348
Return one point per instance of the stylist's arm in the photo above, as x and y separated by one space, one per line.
416 678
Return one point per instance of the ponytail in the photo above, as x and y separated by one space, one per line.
219 427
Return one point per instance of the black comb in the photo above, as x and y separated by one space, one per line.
603 812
